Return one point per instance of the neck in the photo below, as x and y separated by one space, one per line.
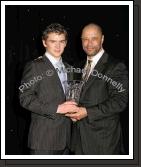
57 58
91 56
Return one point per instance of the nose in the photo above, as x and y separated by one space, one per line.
90 43
58 45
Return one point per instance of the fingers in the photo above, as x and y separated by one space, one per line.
66 108
80 114
70 103
74 120
72 115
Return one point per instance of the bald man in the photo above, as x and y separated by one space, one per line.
97 130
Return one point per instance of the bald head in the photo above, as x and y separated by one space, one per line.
92 39
94 26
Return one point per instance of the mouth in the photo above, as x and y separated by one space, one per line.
57 51
90 49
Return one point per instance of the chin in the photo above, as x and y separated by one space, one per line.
90 54
57 55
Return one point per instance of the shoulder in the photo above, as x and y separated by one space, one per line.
80 63
66 64
38 59
38 62
115 64
33 63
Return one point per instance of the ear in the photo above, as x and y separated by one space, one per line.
102 39
44 43
66 43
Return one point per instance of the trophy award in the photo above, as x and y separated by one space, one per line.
73 89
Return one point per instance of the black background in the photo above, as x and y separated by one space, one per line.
24 25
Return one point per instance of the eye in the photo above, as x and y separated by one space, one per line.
89 39
94 38
85 39
52 41
63 42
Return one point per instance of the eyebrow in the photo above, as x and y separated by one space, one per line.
56 40
88 37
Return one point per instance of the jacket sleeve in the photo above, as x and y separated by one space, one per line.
117 96
29 97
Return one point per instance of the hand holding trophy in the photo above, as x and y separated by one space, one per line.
72 92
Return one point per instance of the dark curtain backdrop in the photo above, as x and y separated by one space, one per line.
24 25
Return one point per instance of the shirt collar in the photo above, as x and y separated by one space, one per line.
96 58
52 59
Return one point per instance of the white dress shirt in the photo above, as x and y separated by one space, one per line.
60 68
94 60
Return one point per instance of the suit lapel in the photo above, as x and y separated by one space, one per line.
100 66
55 75
69 73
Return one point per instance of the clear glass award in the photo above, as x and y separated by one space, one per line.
73 90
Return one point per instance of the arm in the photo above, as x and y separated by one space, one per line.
29 97
116 102
118 97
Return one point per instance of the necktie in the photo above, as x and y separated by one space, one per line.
61 73
87 71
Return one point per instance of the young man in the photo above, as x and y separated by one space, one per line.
42 92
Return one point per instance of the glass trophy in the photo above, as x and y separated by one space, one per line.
73 89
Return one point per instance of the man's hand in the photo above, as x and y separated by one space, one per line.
80 114
67 107
74 120
70 109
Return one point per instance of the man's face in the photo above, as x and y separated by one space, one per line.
55 44
92 40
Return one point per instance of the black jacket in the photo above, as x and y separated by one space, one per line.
41 95
100 132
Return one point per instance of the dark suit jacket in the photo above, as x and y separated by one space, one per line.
100 131
41 95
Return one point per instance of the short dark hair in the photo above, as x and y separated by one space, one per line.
54 28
